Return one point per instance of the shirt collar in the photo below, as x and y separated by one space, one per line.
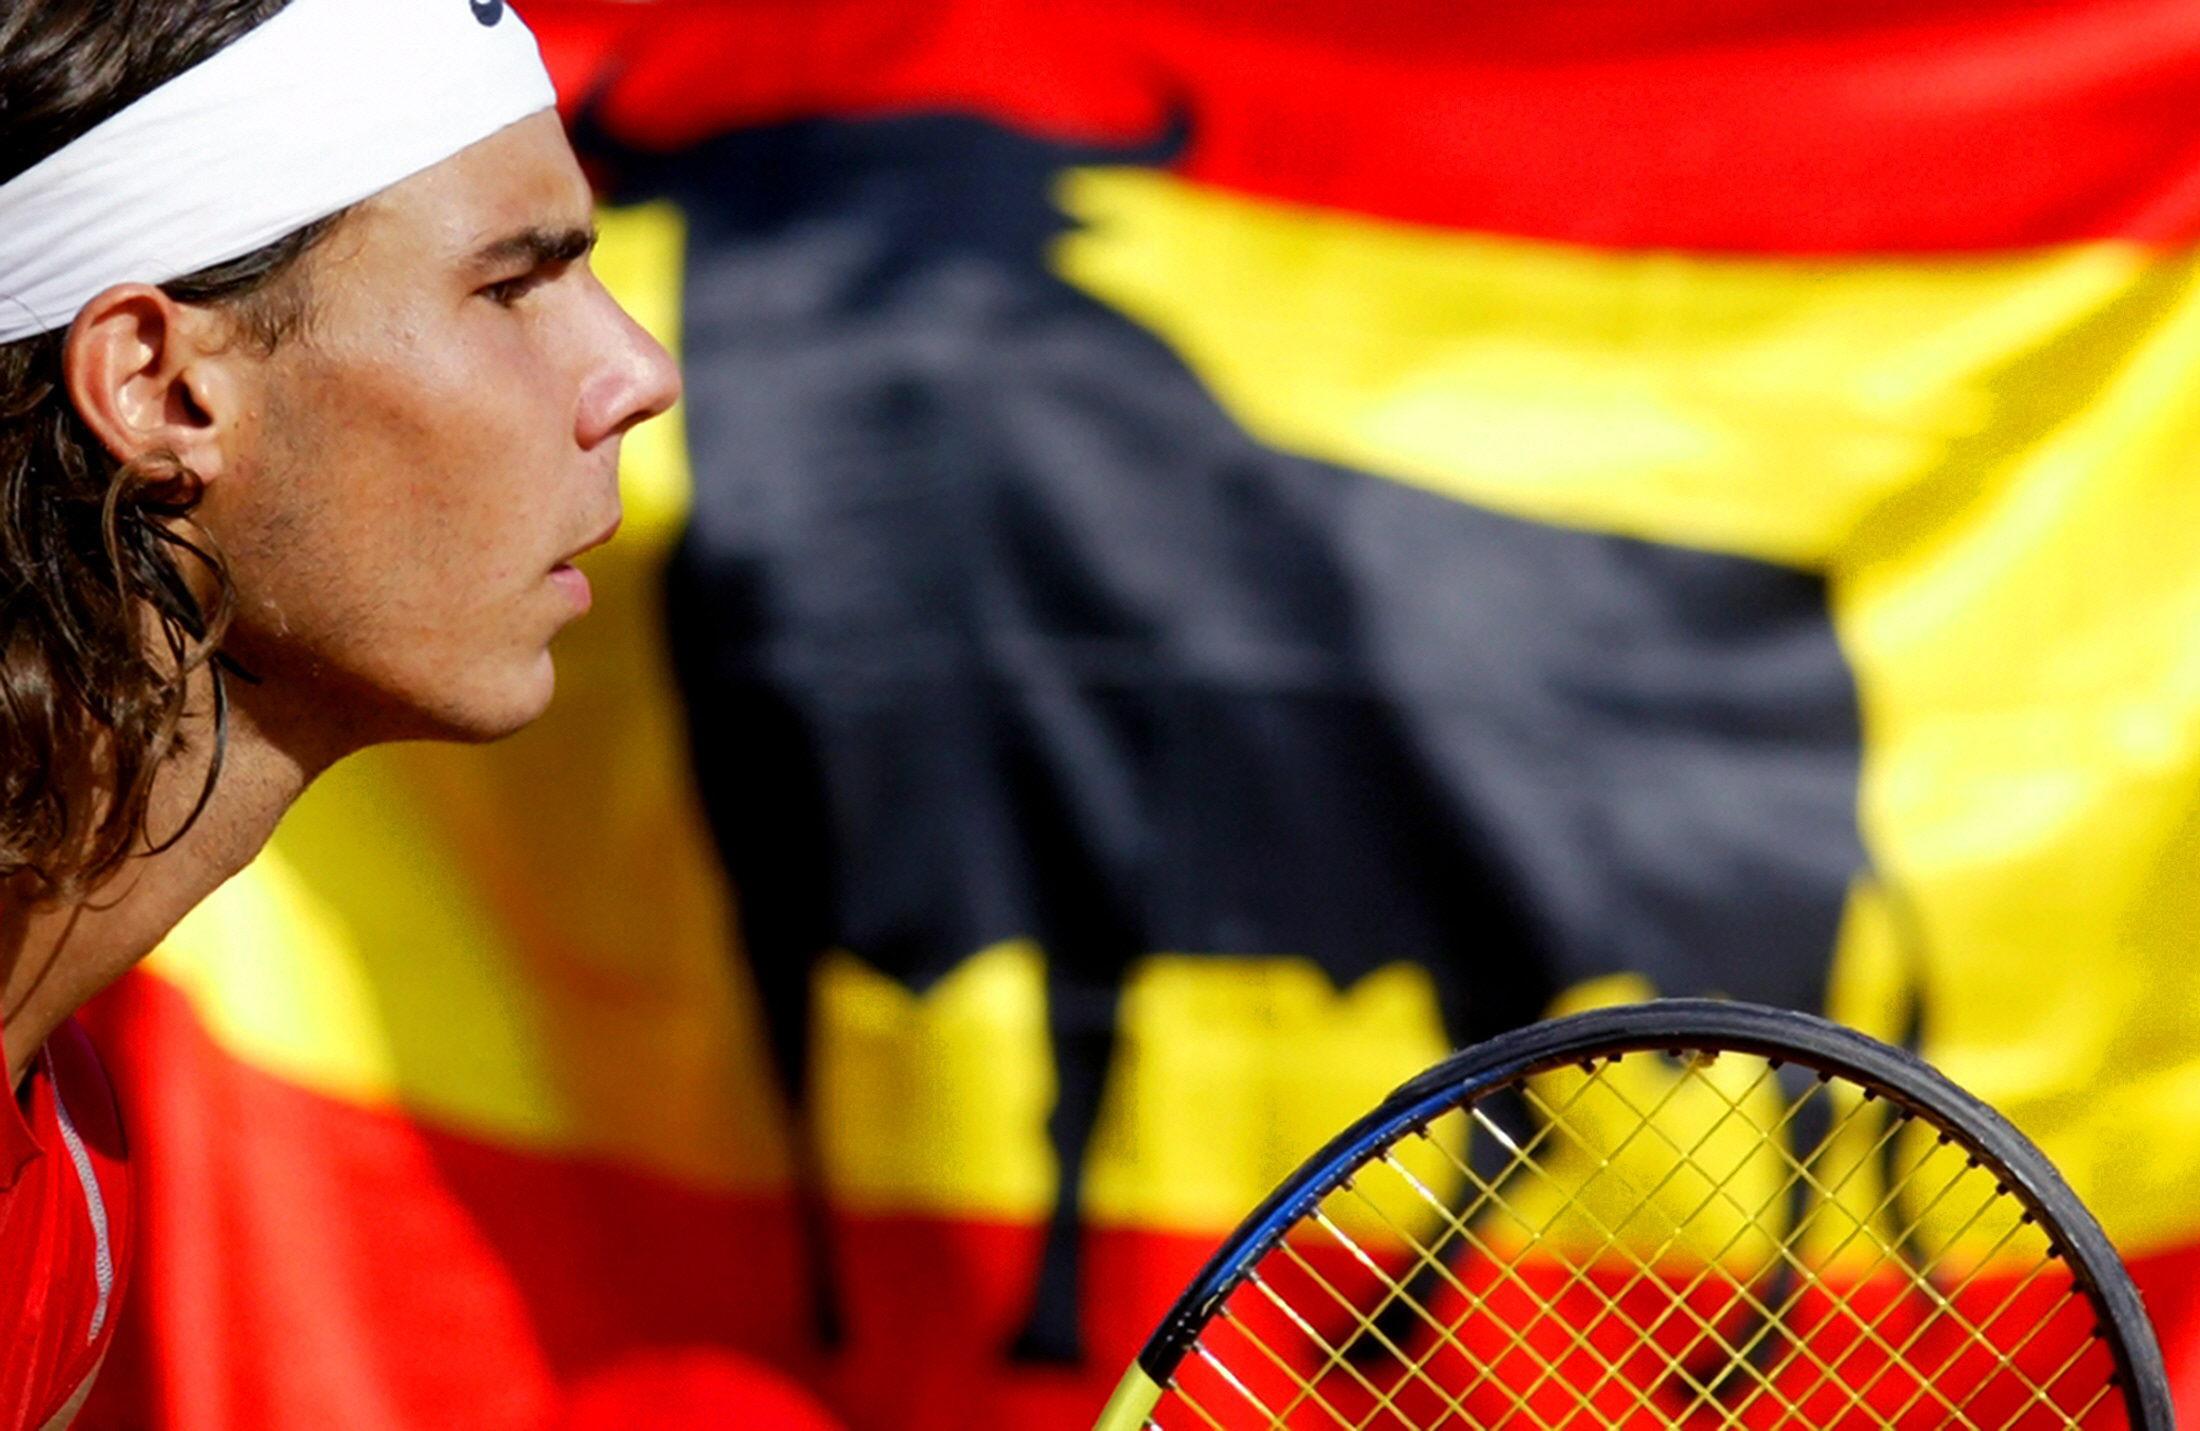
18 1145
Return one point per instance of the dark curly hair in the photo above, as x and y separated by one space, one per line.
102 628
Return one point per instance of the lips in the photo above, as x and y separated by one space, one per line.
609 531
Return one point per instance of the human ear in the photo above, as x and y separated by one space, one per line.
150 375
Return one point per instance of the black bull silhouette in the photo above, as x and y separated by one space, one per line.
992 624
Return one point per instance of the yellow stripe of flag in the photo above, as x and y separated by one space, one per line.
1995 461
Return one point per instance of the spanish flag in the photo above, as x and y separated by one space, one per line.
1216 549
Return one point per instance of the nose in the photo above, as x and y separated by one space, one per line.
634 379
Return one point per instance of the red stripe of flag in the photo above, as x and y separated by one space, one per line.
1784 127
301 1252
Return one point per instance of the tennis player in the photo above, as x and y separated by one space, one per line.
308 401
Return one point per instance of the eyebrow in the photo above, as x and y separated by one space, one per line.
537 247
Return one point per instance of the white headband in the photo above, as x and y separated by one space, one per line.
324 105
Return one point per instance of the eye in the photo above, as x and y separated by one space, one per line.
510 291
528 260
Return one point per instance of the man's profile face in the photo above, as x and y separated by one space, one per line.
431 450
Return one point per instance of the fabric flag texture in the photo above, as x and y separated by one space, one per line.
1216 549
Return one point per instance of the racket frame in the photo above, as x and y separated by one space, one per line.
1678 1025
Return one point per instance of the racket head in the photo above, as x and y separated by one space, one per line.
1680 1213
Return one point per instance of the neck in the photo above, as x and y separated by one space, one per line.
55 955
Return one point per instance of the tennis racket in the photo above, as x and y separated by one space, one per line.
1685 1213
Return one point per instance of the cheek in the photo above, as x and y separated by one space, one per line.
358 521
436 463
477 430
431 468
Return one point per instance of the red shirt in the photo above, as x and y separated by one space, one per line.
65 1224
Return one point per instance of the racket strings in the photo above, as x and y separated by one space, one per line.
1678 1304
1400 1294
1580 1274
1460 1228
1644 1270
1769 1319
1922 1278
1548 1368
1414 1374
1518 1338
1807 1276
1665 1246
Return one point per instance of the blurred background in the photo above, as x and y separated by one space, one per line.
1217 549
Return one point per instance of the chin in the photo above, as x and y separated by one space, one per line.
326 705
516 707
492 711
